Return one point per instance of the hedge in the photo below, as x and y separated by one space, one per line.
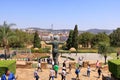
10 64
114 67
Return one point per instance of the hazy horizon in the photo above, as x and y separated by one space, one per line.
63 14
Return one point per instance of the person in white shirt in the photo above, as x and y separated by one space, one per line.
39 66
52 74
88 70
63 74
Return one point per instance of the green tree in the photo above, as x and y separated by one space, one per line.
36 41
5 35
69 40
21 40
75 38
115 38
85 39
103 49
100 37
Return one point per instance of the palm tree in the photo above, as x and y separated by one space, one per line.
5 35
103 49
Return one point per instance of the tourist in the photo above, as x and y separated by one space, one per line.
70 67
56 67
64 64
39 66
8 75
63 74
99 72
52 74
77 72
97 65
36 76
52 63
80 61
88 71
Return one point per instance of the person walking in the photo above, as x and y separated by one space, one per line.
88 71
56 67
52 74
8 75
36 76
77 72
64 64
97 65
70 68
99 72
63 74
39 66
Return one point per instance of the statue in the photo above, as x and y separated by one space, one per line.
55 45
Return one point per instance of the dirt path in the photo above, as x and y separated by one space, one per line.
27 74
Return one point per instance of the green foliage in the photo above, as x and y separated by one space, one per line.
114 67
85 39
81 50
36 42
21 40
103 49
10 64
115 38
100 37
41 50
5 34
69 40
75 38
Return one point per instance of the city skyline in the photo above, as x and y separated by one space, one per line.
63 14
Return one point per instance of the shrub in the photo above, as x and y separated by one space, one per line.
41 50
114 67
10 64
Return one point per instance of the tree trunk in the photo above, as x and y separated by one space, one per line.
5 51
105 56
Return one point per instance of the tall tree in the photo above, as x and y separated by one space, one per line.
75 38
69 40
85 39
103 49
100 37
37 40
5 35
115 38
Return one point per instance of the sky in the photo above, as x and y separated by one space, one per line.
63 14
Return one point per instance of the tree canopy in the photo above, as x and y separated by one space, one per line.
86 38
115 38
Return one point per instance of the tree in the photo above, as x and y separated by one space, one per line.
115 38
75 38
36 41
86 39
22 37
5 35
100 37
103 49
69 40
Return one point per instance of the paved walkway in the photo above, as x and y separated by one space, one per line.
87 56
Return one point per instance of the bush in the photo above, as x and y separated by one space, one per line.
114 67
10 64
41 50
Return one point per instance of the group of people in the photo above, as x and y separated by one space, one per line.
54 70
